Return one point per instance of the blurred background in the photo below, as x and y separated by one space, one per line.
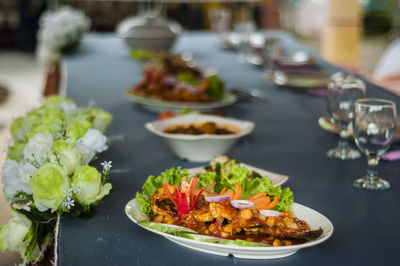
351 33
358 35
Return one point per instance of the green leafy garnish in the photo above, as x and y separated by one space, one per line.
167 229
238 242
224 174
216 87
187 77
230 171
141 54
144 203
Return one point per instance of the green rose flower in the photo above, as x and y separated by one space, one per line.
53 118
76 129
12 235
53 101
4 237
41 128
88 180
101 119
48 185
16 236
18 227
68 155
22 126
16 151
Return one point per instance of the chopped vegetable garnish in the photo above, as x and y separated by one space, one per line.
184 200
242 204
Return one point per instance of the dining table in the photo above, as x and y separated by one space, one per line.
286 139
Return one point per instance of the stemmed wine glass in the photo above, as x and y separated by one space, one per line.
270 54
374 125
245 27
343 91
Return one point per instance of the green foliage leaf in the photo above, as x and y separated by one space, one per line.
37 216
216 88
144 203
187 78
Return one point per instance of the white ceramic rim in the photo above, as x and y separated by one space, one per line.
247 127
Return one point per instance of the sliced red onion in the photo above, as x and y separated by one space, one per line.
217 198
170 81
269 213
242 204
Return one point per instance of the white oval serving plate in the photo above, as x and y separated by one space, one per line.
312 217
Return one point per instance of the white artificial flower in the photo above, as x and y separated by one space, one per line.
16 177
48 55
91 143
38 149
68 108
106 166
68 202
60 30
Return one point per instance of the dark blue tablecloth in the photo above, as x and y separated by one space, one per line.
286 139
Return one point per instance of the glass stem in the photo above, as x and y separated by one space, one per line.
372 173
343 140
343 143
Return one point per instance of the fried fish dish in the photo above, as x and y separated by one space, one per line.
221 219
225 200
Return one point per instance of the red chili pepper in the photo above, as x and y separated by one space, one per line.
169 194
184 199
193 182
197 198
184 208
177 197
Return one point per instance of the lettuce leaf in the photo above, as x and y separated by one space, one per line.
208 178
186 77
228 171
171 176
144 204
216 88
223 174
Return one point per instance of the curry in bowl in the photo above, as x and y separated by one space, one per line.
210 128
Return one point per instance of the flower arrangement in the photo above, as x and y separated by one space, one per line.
46 172
59 32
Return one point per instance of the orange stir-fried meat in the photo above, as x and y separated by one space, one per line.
222 220
162 85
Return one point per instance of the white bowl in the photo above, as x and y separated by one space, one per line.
150 33
199 148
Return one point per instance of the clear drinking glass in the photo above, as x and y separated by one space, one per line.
220 22
343 91
244 26
374 125
271 52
